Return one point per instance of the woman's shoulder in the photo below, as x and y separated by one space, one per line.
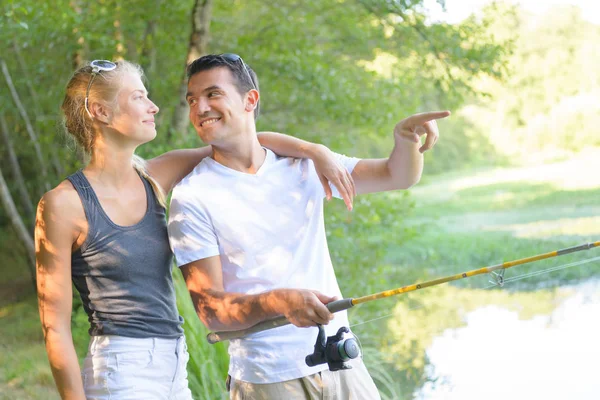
62 201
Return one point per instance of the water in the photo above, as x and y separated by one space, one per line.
497 355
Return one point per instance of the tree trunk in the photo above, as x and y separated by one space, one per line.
18 225
36 104
29 127
197 47
120 46
23 66
132 51
80 53
14 163
148 54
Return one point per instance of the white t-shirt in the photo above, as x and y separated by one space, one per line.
269 231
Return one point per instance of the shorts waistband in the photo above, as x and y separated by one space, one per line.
123 343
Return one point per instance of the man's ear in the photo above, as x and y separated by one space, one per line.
100 112
252 100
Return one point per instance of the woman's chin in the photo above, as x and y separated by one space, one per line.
149 135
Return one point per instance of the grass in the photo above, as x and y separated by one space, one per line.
24 370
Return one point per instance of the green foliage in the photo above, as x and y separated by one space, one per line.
355 67
358 241
549 101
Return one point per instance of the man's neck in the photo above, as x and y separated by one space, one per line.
244 154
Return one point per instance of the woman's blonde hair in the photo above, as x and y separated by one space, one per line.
105 88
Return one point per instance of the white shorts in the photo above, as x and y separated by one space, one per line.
123 368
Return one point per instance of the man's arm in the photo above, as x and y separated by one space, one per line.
226 311
404 166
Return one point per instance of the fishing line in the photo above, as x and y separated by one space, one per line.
506 280
558 268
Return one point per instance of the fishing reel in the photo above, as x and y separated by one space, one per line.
334 350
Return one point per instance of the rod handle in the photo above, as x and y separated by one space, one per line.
215 337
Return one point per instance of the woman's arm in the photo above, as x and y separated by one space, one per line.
171 167
55 233
327 167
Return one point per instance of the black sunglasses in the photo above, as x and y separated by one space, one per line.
233 58
97 67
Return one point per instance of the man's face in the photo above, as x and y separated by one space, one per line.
217 110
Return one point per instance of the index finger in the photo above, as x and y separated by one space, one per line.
421 118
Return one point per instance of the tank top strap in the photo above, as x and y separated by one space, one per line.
89 201
81 185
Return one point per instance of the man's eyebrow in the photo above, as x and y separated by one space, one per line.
213 87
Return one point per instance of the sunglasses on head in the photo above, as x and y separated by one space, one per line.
233 58
97 67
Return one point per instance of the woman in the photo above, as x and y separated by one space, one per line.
104 229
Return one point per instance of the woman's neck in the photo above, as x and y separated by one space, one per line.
113 167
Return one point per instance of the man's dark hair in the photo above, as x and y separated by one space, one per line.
245 78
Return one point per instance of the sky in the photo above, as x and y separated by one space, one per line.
457 10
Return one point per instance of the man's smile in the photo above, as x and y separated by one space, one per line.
208 121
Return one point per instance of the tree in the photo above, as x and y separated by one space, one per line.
23 233
197 47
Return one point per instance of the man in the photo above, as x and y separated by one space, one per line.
247 230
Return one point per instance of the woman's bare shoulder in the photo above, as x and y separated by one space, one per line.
62 202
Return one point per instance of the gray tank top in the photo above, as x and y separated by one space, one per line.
123 273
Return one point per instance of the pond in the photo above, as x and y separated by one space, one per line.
497 354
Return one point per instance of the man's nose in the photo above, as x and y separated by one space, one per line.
202 106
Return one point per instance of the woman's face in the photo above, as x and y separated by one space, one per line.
134 117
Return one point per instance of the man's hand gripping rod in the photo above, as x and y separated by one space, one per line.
214 337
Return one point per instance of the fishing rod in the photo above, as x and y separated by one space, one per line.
344 304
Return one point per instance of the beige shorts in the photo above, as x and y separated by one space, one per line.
350 384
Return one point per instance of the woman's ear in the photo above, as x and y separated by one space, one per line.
100 112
